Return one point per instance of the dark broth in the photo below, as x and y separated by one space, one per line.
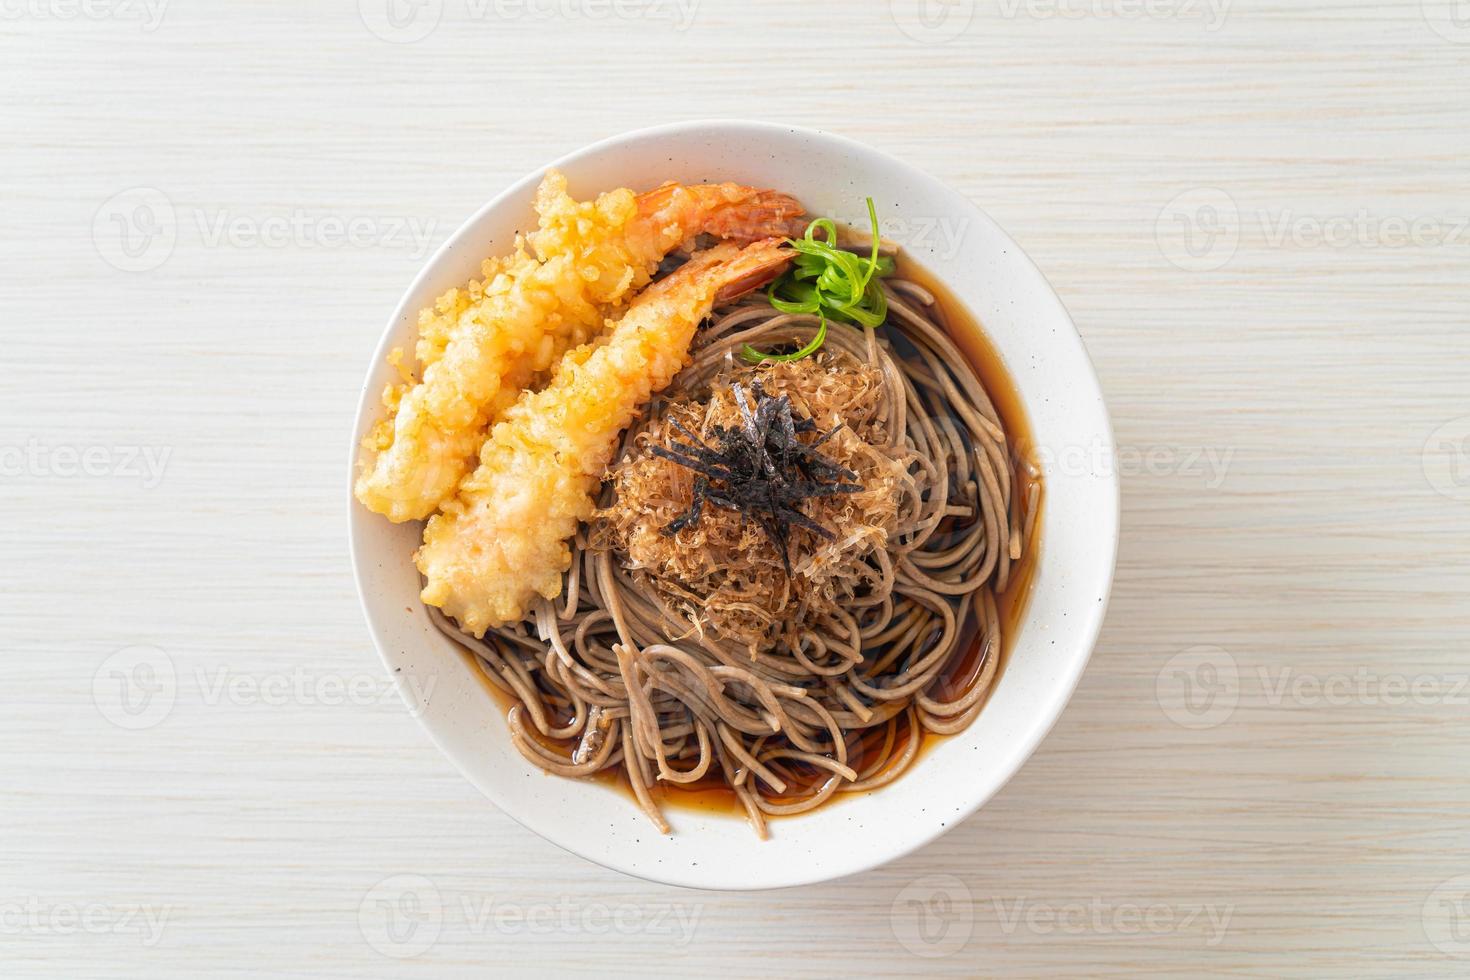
711 794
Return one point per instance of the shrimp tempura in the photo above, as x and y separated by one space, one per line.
481 345
502 541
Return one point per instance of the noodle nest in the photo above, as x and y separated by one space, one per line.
695 661
720 572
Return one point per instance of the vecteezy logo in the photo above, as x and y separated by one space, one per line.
401 21
1199 687
1446 916
1447 459
932 21
933 916
1198 231
1450 19
135 230
135 687
401 916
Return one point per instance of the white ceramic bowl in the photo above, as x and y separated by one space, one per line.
1044 355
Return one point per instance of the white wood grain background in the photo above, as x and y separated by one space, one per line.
1284 347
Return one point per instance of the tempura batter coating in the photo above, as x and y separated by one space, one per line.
482 345
501 542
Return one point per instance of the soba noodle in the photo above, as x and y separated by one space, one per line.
609 678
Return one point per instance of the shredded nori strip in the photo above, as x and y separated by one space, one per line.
760 469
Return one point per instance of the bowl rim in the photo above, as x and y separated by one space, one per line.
1086 634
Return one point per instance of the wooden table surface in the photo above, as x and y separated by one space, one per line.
1259 216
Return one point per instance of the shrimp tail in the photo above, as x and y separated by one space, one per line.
727 211
767 214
